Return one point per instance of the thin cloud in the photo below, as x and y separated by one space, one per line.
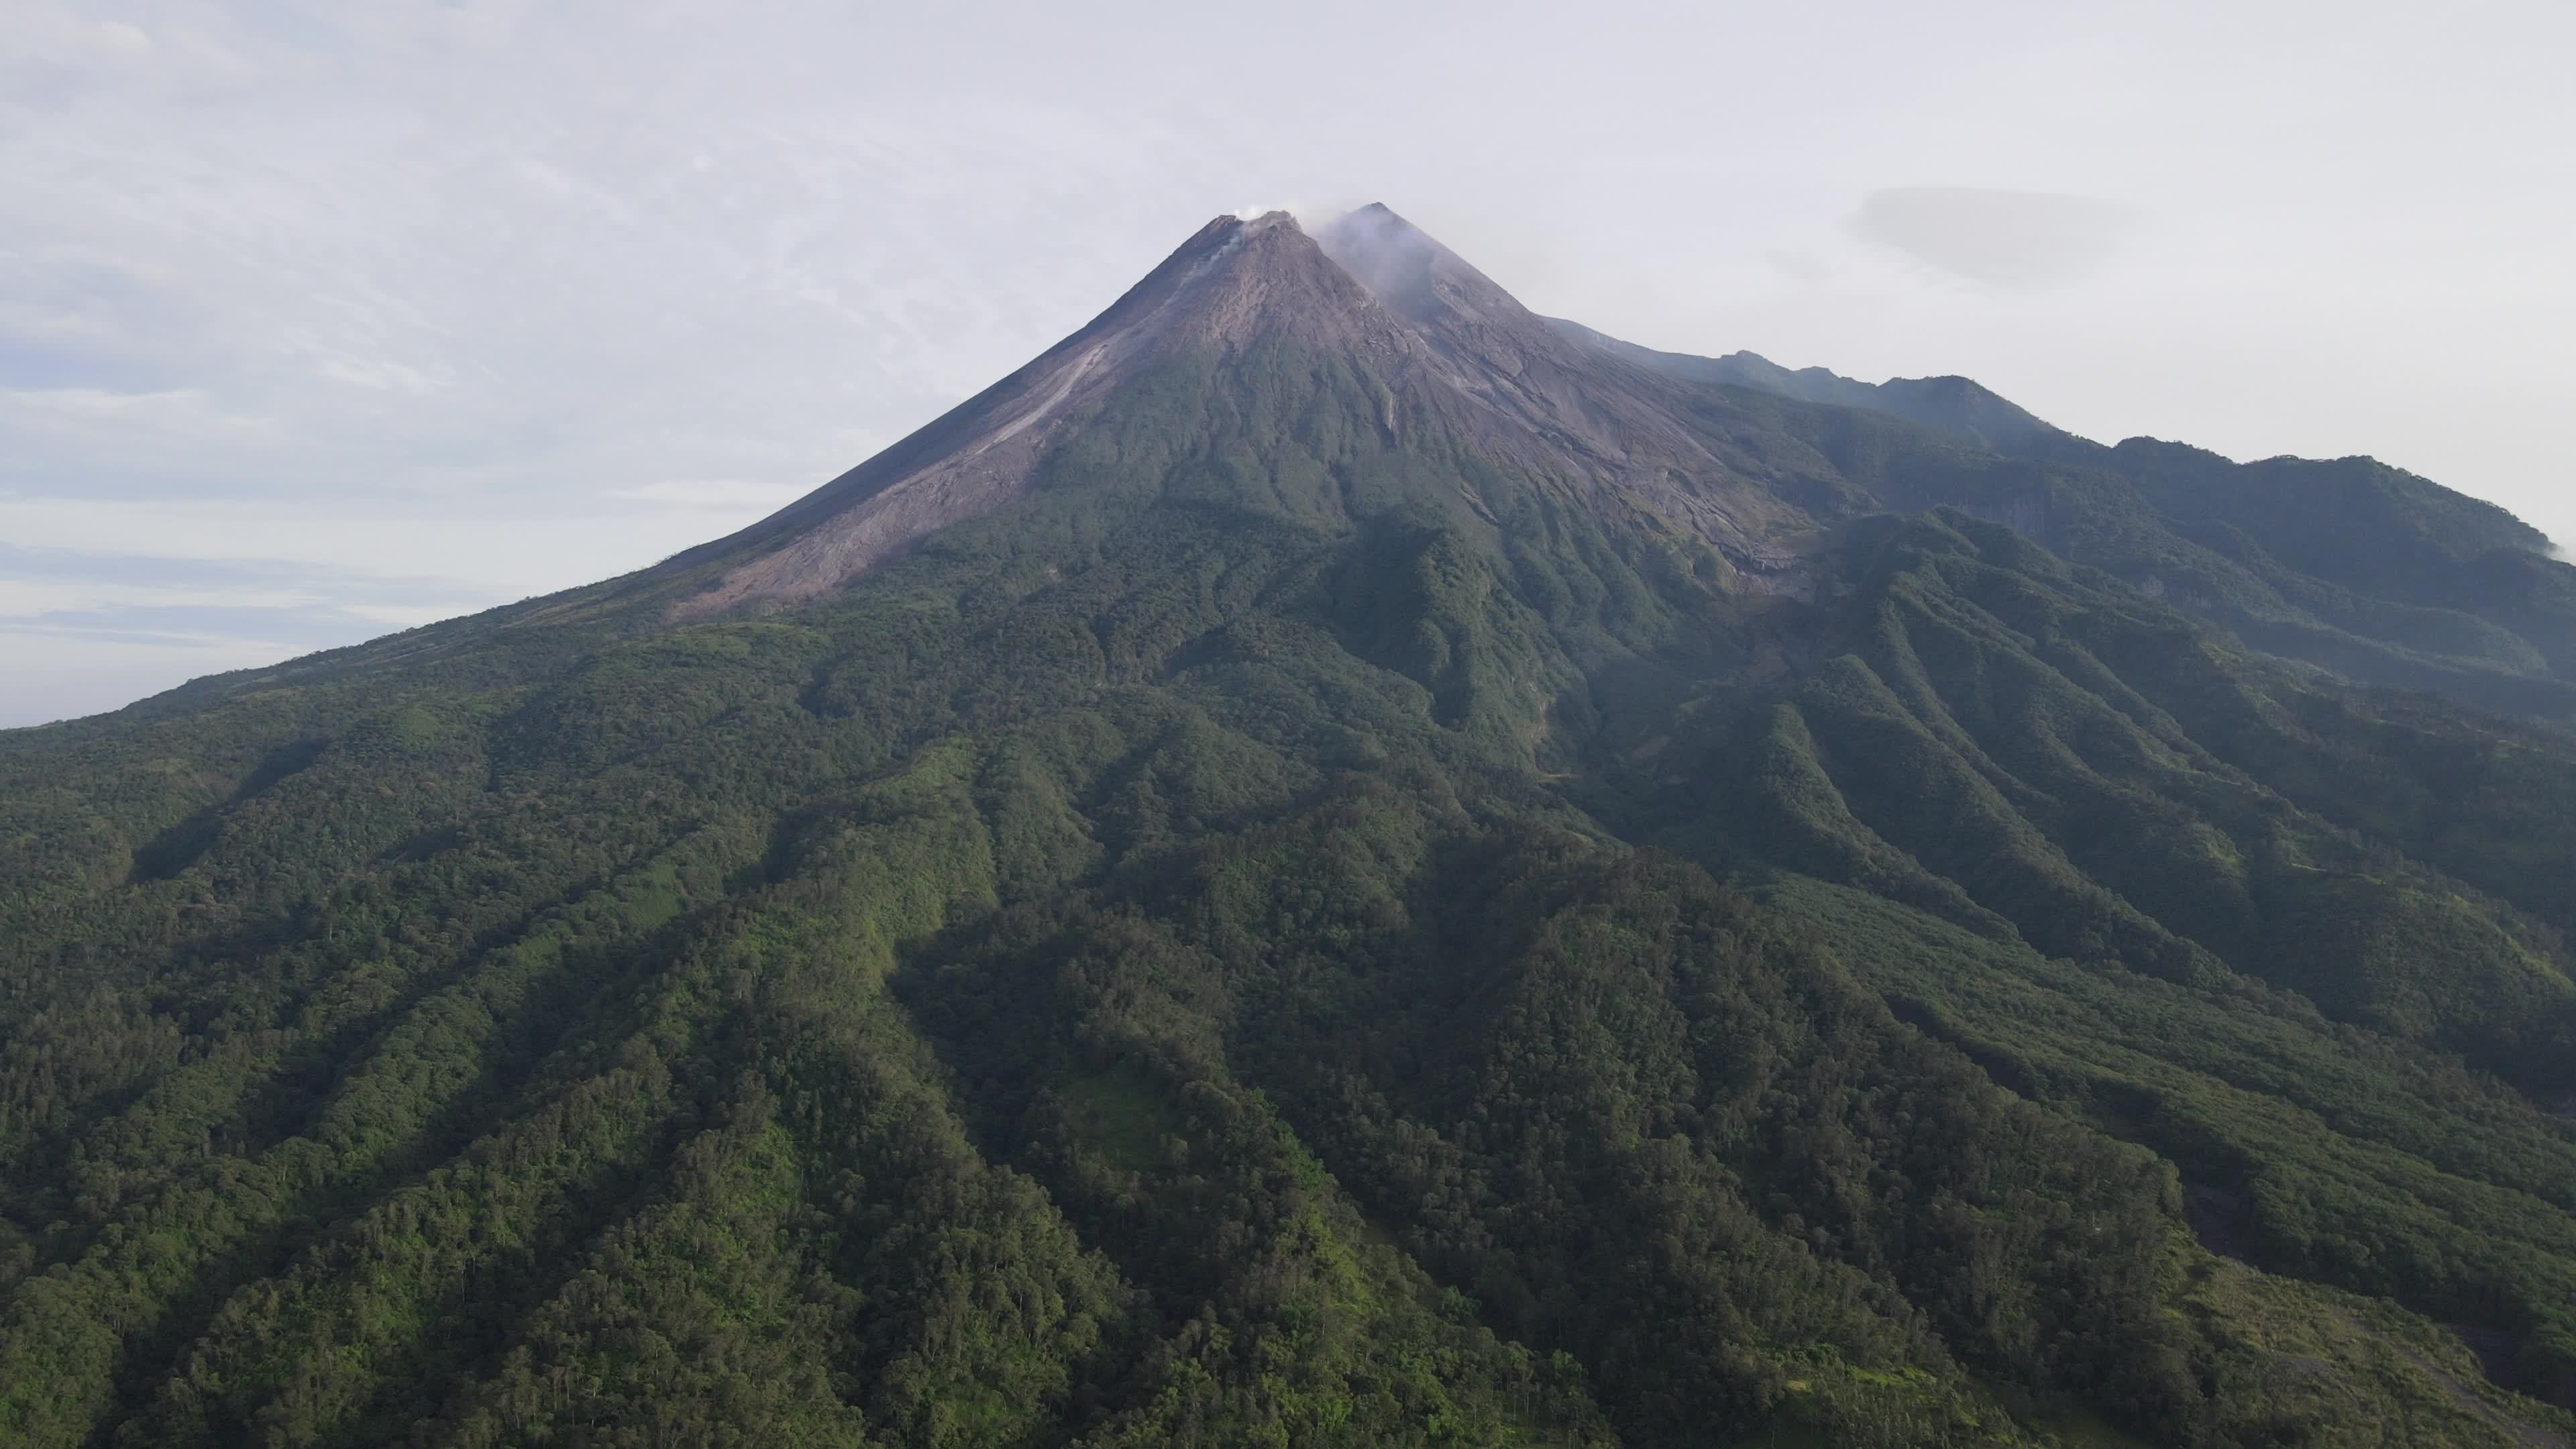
721 493
163 571
2001 238
301 627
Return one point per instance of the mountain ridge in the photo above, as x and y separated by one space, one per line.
1954 404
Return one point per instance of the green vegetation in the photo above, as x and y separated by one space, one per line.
1296 934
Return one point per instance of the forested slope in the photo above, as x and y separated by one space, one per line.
2367 571
1298 931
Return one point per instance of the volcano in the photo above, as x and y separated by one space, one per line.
1448 359
1337 861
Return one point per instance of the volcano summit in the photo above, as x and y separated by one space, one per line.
1449 359
1335 861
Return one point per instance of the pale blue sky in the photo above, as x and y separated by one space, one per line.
318 320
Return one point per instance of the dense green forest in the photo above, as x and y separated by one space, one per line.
1298 932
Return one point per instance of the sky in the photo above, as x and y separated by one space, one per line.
323 320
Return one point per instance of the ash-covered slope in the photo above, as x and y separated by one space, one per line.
1452 363
1579 411
1234 281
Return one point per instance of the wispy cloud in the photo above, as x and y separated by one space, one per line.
722 493
161 571
79 627
294 627
2003 238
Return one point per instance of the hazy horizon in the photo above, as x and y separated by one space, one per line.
316 325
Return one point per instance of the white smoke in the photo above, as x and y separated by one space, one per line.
1383 252
1309 215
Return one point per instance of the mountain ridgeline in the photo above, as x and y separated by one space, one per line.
1334 862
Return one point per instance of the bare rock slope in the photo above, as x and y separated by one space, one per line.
1451 351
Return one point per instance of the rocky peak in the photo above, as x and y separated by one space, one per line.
1235 280
1410 272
